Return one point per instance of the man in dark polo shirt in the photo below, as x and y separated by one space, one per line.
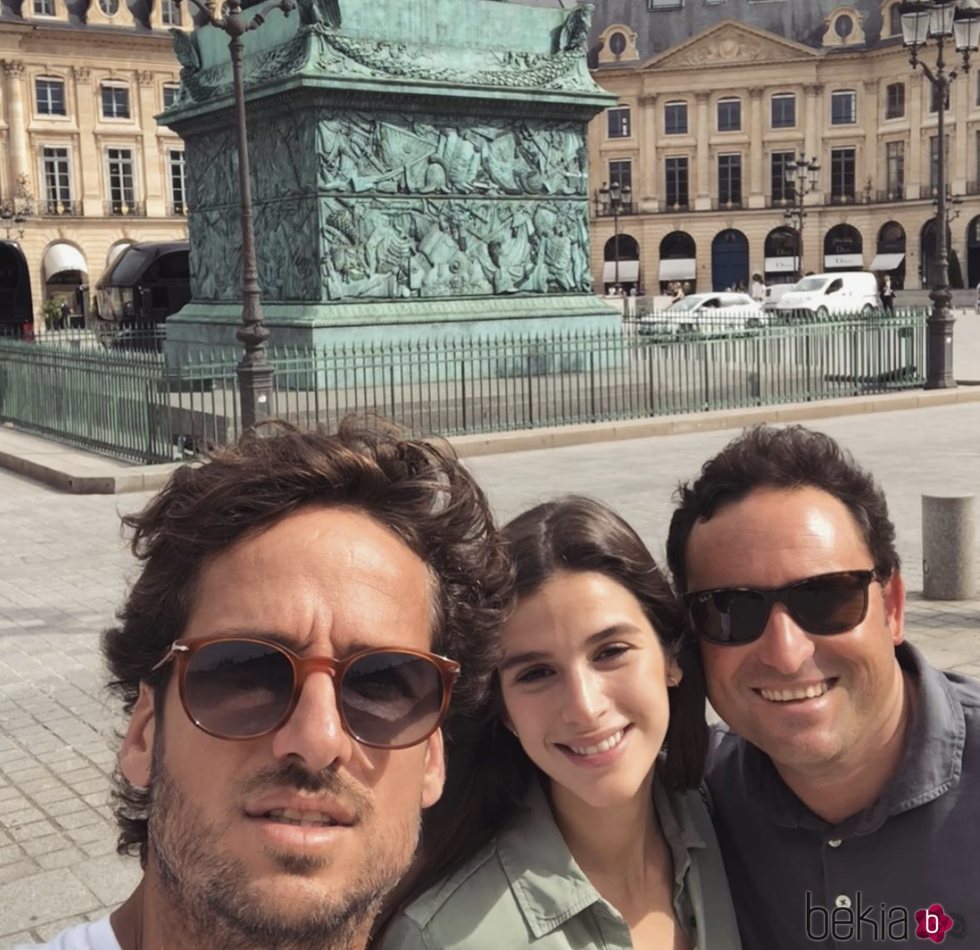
846 786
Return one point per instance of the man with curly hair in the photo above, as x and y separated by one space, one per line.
286 657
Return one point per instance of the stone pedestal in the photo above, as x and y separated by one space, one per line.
419 170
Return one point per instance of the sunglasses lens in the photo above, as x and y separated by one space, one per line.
238 688
730 616
829 604
392 699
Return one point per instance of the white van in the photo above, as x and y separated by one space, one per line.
843 293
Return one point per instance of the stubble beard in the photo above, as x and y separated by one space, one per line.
212 900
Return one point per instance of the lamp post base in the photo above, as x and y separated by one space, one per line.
939 342
254 392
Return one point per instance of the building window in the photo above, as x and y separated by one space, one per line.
782 190
934 161
170 10
842 174
43 7
676 191
784 111
895 20
675 118
895 100
843 107
57 183
895 169
122 191
730 179
619 123
729 115
664 4
115 102
178 181
50 95
621 173
109 7
170 91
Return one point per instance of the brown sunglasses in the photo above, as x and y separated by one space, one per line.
245 687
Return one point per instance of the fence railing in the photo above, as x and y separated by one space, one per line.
131 403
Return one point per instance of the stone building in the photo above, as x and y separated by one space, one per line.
717 97
84 167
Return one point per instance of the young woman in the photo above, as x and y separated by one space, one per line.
572 817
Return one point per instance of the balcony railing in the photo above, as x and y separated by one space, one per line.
178 209
973 187
890 194
125 209
61 209
849 199
729 205
774 202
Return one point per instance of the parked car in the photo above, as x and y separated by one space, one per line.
142 287
697 314
838 294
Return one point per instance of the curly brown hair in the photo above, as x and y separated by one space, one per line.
418 489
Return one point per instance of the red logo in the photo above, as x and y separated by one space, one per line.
933 923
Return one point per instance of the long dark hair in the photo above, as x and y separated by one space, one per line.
488 772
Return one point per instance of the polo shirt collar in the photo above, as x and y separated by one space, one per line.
549 886
930 766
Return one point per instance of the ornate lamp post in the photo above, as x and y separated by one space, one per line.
615 200
941 21
802 176
254 370
14 213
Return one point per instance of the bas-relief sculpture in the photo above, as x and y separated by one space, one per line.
409 207
394 205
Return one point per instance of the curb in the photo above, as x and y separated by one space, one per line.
77 472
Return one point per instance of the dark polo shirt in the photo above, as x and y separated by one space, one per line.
799 882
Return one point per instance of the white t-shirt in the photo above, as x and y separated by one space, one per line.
97 935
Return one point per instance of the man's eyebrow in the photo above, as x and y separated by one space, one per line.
536 656
300 647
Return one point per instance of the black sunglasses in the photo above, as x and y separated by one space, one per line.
824 604
243 688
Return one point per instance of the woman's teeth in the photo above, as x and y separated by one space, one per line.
603 746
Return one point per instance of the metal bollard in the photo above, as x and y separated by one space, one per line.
948 543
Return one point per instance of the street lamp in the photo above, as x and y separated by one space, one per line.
940 20
254 370
802 175
615 200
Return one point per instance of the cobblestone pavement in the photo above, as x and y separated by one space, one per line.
64 565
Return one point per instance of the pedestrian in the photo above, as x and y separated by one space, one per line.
845 755
978 300
65 315
888 295
758 290
581 778
281 659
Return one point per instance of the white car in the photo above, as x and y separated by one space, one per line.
696 314
844 293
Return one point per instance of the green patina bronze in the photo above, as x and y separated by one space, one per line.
419 170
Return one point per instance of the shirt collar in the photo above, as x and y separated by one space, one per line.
549 886
930 766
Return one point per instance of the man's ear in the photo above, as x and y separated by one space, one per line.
434 774
136 753
894 597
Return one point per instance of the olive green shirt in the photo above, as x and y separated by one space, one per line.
525 890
